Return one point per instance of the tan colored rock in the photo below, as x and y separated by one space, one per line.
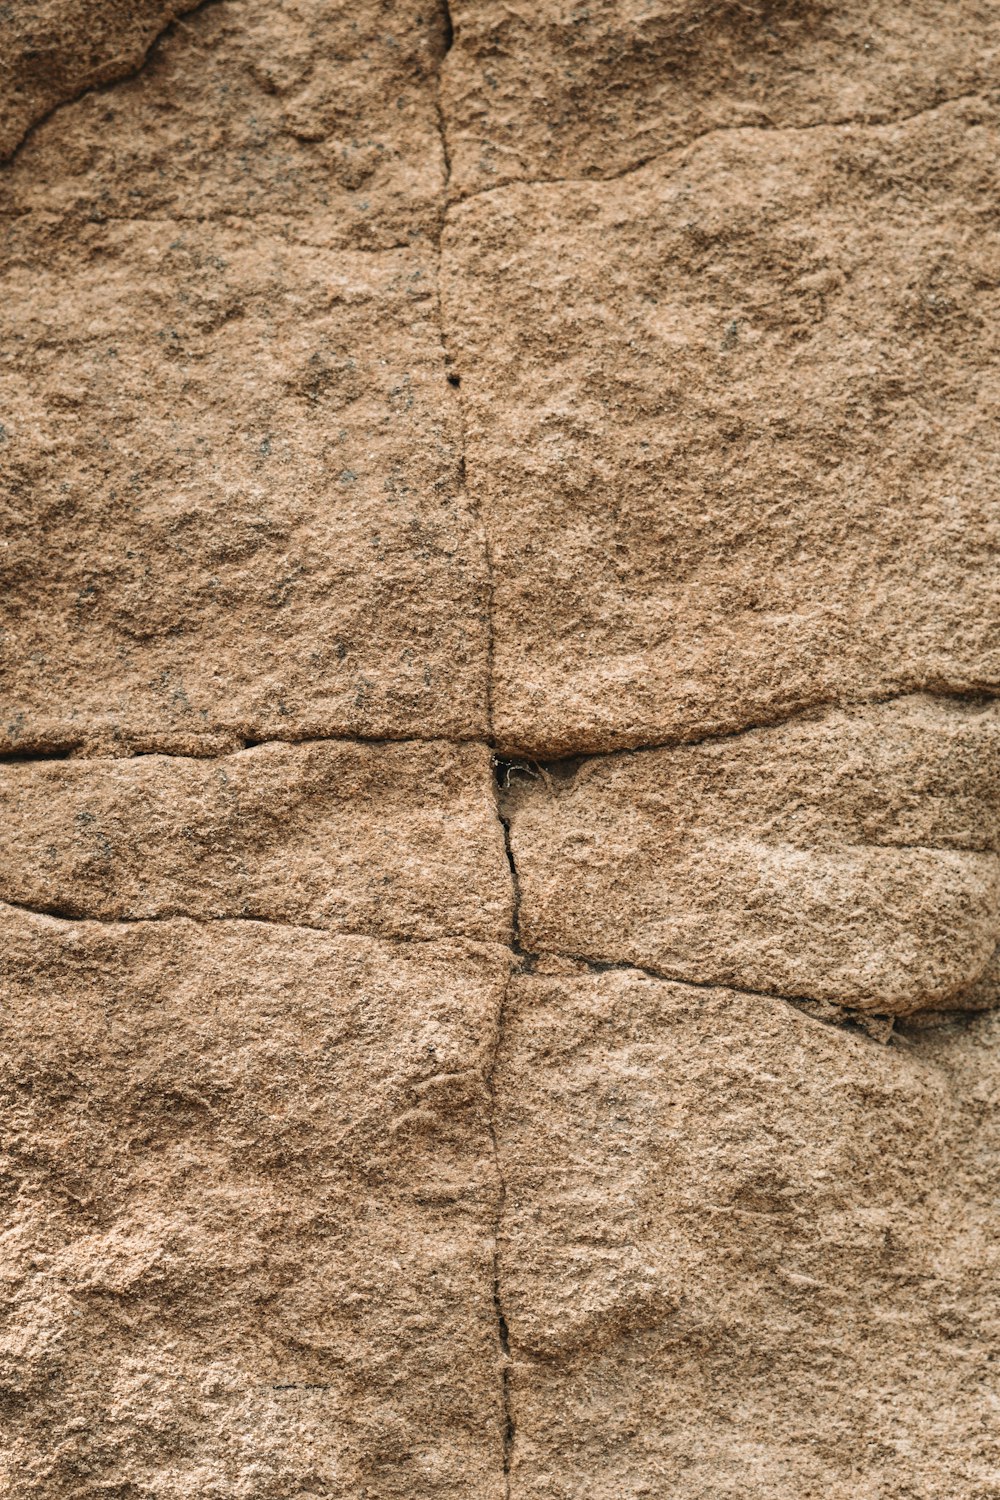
743 1253
561 89
732 422
850 858
250 1203
234 509
399 840
301 115
232 498
52 50
333 453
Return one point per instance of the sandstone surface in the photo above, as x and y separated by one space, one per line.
499 649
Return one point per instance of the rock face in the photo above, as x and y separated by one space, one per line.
851 858
743 1253
754 474
499 752
387 840
251 1193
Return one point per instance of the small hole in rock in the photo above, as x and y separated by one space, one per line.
454 380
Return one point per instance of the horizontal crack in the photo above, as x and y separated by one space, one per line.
805 713
511 753
65 914
70 750
684 146
841 1016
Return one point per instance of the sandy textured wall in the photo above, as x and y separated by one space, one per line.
499 750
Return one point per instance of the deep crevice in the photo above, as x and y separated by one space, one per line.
449 27
504 772
42 752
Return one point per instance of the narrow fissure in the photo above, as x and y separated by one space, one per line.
503 769
500 1318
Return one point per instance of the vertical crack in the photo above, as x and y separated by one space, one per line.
449 29
453 375
502 1331
503 770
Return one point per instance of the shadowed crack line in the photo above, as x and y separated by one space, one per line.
71 749
503 1334
501 774
55 913
841 1017
982 697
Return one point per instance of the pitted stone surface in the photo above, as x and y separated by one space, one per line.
298 113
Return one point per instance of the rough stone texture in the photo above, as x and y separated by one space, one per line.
52 50
383 387
744 1253
733 422
393 840
249 1197
850 858
299 114
562 89
225 414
